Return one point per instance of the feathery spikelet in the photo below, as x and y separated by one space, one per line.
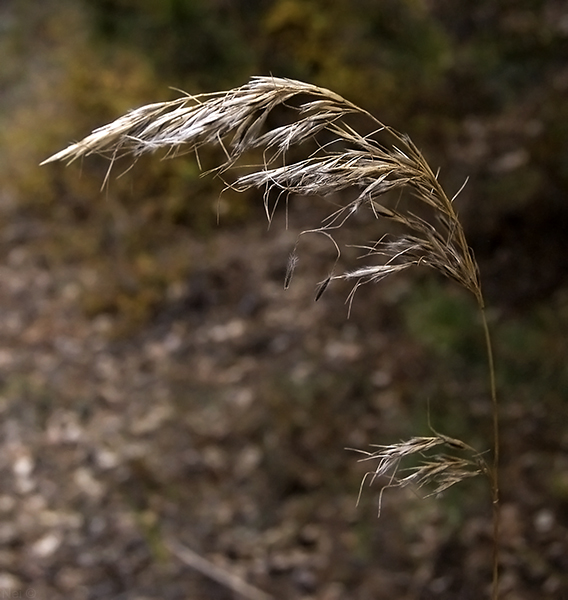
438 470
236 120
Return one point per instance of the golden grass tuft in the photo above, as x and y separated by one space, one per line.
239 120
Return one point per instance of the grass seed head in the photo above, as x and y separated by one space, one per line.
237 120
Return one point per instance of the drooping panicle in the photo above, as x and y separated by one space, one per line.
238 120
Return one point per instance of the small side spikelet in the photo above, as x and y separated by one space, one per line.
437 470
290 268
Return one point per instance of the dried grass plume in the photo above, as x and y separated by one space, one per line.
237 121
241 122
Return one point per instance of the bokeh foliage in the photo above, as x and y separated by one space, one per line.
481 89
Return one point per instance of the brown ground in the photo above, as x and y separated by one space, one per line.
221 427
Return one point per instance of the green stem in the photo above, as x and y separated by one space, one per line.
495 469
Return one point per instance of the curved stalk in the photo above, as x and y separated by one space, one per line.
496 442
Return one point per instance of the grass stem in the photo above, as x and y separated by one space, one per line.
496 443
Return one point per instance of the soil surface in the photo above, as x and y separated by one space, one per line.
208 447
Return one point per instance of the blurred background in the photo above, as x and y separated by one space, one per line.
161 391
